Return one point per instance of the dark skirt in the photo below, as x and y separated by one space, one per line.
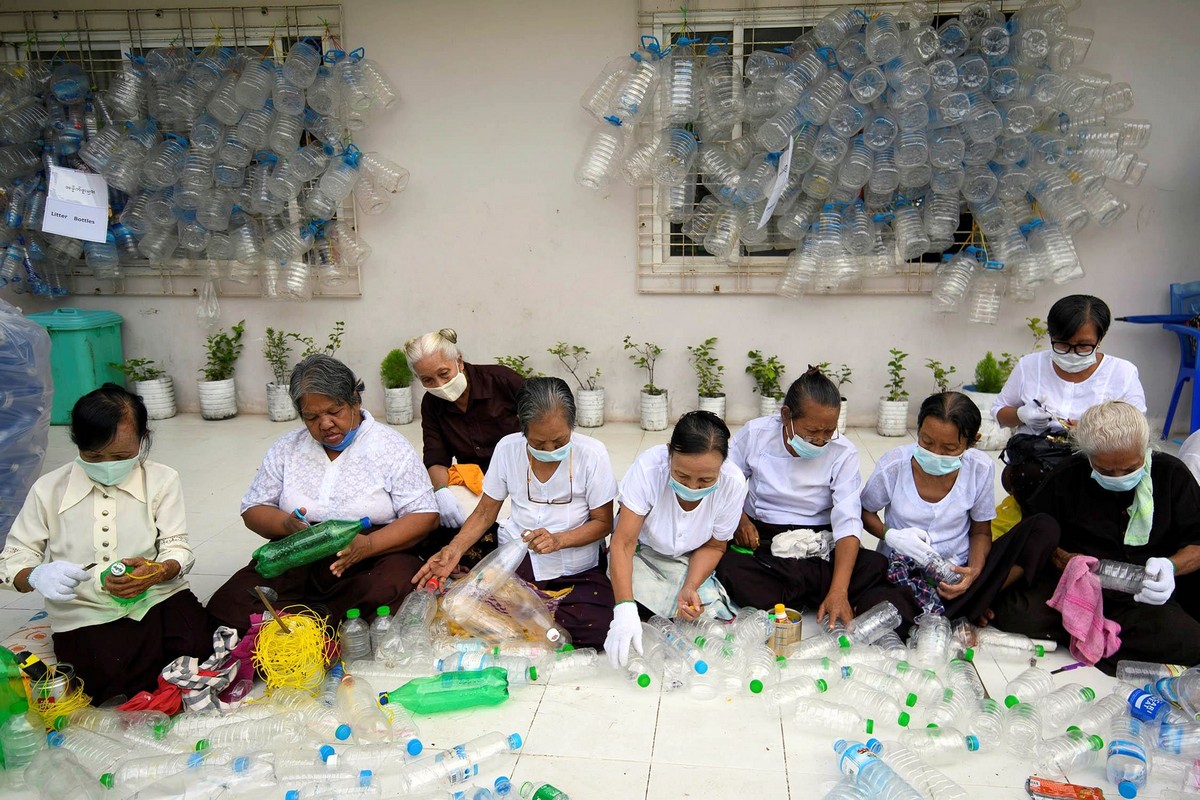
1029 545
763 579
125 656
587 610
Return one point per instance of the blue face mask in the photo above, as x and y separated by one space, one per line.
692 495
108 473
1124 483
934 464
802 447
346 441
550 455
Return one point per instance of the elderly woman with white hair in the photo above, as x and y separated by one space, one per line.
1118 499
562 488
467 409
340 465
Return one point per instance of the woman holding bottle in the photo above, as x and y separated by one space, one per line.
680 504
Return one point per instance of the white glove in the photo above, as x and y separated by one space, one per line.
57 580
911 542
625 629
1036 418
449 509
1159 583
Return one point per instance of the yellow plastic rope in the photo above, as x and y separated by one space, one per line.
297 658
51 708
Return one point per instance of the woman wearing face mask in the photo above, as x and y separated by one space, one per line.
803 475
562 486
341 465
466 411
1116 499
110 505
680 503
939 497
1051 387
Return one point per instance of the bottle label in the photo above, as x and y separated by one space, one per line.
1124 747
1145 706
855 758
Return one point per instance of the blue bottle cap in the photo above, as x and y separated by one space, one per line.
342 733
241 764
972 743
195 760
874 745
503 785
54 738
326 751
414 747
1127 789
701 666
514 741
364 777
292 794
365 522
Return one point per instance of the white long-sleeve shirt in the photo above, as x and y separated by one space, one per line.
1034 378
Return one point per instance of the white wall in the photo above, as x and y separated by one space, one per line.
493 237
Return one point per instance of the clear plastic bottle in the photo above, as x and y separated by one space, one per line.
1128 759
953 280
601 155
953 708
674 157
838 24
987 291
871 772
819 713
675 639
520 670
879 706
873 623
939 745
57 773
1120 576
380 627
762 669
721 79
1022 728
1030 685
253 731
922 777
358 705
820 98
789 692
458 764
575 664
21 738
987 723
97 753
939 570
1072 750
1143 672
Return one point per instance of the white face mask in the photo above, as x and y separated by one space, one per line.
452 389
1073 362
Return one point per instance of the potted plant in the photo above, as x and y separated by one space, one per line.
517 364
840 376
709 384
278 352
654 399
1038 329
941 374
218 396
589 400
767 374
893 406
990 376
310 346
396 377
154 385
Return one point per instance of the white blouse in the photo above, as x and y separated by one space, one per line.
801 492
379 476
668 529
69 517
1034 378
585 477
948 521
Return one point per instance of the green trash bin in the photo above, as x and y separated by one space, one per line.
83 346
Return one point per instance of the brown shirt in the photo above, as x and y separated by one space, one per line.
469 438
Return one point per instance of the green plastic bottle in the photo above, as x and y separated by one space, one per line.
304 547
119 568
451 691
543 792
12 688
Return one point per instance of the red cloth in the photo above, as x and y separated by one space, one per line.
1080 600
167 698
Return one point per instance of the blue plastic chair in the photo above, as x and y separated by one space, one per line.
1185 301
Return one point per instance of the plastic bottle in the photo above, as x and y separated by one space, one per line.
601 155
452 691
354 636
520 670
1128 762
98 754
939 745
575 664
793 690
1143 672
987 723
871 772
1028 686
21 738
675 156
1022 728
762 669
380 627
358 705
1074 749
638 671
306 546
874 703
1004 645
922 777
952 708
253 731
543 792
458 764
1119 576
1059 707
721 78
675 639
873 623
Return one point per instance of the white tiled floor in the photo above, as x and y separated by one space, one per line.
598 737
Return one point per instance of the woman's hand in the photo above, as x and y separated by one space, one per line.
360 547
688 605
949 592
139 576
1060 558
541 541
836 606
439 565
294 524
747 534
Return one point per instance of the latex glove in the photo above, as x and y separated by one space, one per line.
1159 583
449 509
57 580
625 630
1037 418
911 542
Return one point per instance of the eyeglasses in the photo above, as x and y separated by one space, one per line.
571 484
816 441
1062 348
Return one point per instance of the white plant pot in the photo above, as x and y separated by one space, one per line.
654 412
218 399
893 417
158 395
589 408
992 435
398 405
714 404
843 416
280 407
769 406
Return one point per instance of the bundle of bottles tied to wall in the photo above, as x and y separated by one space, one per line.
219 156
896 124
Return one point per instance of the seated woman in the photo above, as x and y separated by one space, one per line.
110 505
802 474
1117 499
680 503
466 411
341 465
940 499
562 487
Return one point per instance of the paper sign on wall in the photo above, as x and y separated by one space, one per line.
76 205
781 182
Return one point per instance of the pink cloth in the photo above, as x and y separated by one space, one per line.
1079 599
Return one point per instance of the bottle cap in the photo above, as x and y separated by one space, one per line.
54 739
503 785
532 674
822 686
365 523
353 613
968 654
326 751
643 680
60 723
202 744
514 741
911 700
1096 742
870 726
972 743
1011 701
756 686
1040 650
1088 693
383 611
364 777
1127 789
384 699
240 764
932 725
414 747
566 648
526 788
701 666
107 780
342 733
292 794
903 719
195 760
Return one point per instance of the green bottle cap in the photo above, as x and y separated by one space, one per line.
756 686
107 780
911 700
969 654
643 680
1088 693
972 743
1096 742
932 725
566 648
781 660
870 726
1071 728
202 745
1040 650
353 614
844 642
904 719
903 666
1011 701
532 674
822 686
60 723
161 730
383 611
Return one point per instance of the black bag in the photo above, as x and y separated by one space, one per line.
1030 458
